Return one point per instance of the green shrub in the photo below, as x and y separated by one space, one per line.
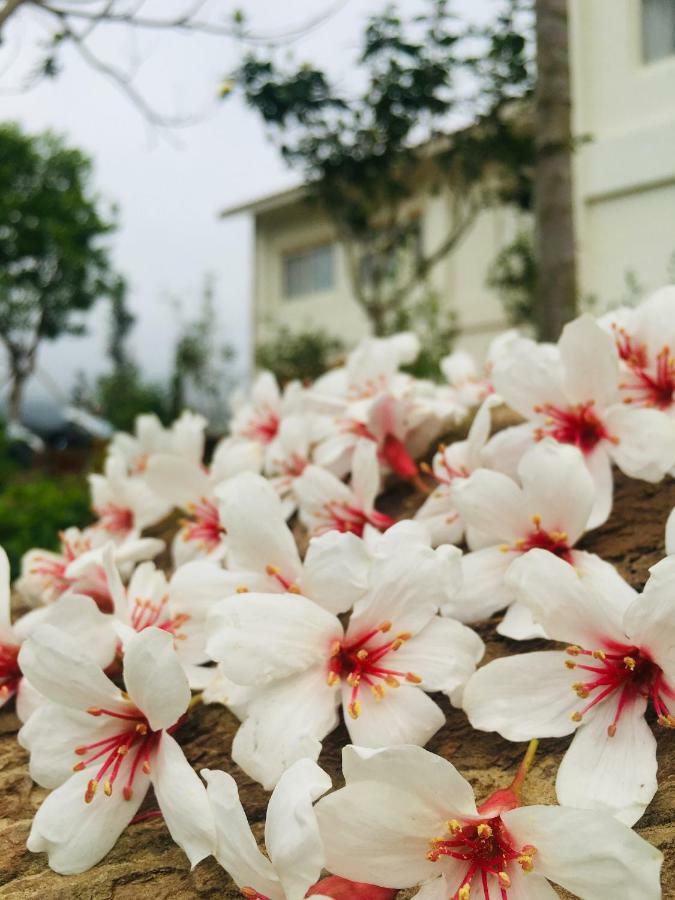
300 355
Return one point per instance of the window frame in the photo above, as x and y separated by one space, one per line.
315 285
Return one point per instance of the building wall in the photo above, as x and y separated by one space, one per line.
625 173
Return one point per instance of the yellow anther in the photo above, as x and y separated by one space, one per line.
293 589
599 654
142 728
504 548
484 830
385 627
576 717
335 648
464 892
146 767
629 663
123 750
242 589
536 519
332 678
353 679
362 654
403 636
412 678
580 689
91 790
520 543
525 863
666 721
573 650
78 767
504 879
271 570
107 788
378 691
453 826
392 682
611 730
570 664
355 709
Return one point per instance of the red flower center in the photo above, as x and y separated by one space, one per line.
342 516
625 669
146 613
652 386
135 741
578 425
360 661
555 542
487 849
10 673
115 519
262 427
203 525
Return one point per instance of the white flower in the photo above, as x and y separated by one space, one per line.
76 567
70 615
92 734
451 464
124 504
550 511
571 394
294 848
185 438
257 417
618 662
472 382
326 503
670 533
407 817
192 488
303 662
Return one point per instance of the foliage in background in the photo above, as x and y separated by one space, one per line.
436 326
53 264
367 157
303 355
513 275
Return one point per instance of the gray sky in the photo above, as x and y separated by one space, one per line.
170 191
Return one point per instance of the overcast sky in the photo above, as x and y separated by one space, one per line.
169 192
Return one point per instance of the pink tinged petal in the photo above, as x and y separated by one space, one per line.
588 853
590 362
182 799
558 488
670 533
335 888
650 619
484 590
505 449
177 480
258 536
600 466
51 736
259 638
408 586
336 569
493 503
616 774
76 835
292 833
60 669
404 715
365 481
285 722
428 777
236 849
565 605
154 678
522 697
444 654
645 445
519 625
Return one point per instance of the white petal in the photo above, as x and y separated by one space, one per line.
614 591
5 594
600 466
404 715
529 378
76 835
258 536
564 604
284 723
80 617
590 362
480 431
365 473
588 853
237 851
438 889
408 587
670 533
154 678
493 503
59 668
439 515
617 773
182 799
444 654
292 832
558 488
519 625
483 589
505 449
650 619
51 735
259 638
646 441
27 700
177 480
336 571
524 696
234 455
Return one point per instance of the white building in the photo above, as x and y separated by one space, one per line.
623 78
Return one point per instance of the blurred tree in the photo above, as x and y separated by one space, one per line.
53 265
556 291
71 24
367 157
302 355
513 275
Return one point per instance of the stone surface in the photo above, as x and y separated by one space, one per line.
145 863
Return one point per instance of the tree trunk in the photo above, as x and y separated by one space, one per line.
16 396
554 212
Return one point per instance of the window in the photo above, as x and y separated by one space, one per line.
658 29
309 271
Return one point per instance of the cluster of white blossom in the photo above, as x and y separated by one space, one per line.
373 618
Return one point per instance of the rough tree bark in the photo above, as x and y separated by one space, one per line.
553 190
